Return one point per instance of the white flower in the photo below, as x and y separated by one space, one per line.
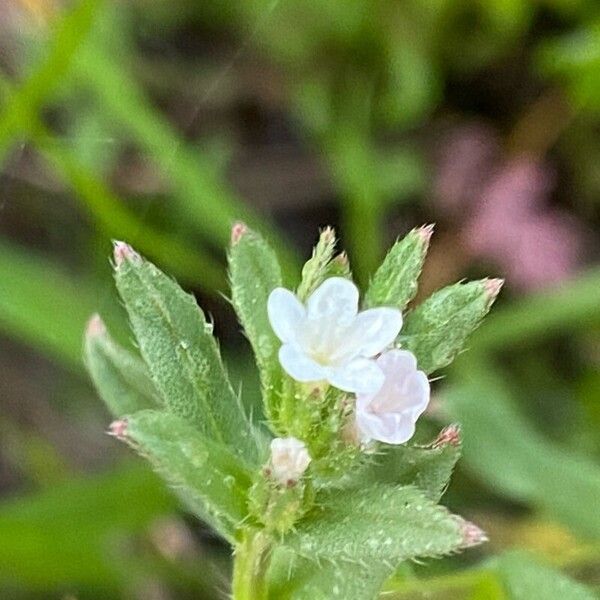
390 414
328 339
289 459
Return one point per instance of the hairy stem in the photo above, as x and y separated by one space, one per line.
250 565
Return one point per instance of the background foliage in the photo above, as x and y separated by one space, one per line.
164 122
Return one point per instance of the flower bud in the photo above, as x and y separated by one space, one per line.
289 459
449 436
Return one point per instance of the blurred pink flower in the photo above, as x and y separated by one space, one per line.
465 160
505 213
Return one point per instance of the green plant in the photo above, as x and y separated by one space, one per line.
327 491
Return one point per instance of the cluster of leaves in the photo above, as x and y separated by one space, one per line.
177 408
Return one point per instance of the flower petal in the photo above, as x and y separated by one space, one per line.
418 390
286 313
375 329
299 366
360 375
397 361
336 298
390 428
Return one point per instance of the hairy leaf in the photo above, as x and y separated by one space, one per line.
429 469
121 378
177 344
295 578
437 330
255 273
378 523
395 282
205 473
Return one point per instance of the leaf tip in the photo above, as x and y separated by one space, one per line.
95 326
123 252
237 232
492 288
425 232
472 534
118 429
449 436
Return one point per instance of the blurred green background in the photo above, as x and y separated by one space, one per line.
162 123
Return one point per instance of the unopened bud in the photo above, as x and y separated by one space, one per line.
493 287
237 231
472 535
342 260
118 429
95 326
328 235
123 252
449 436
289 460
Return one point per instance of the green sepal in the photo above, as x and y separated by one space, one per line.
181 353
378 523
322 264
208 476
279 507
437 330
121 378
428 468
254 273
395 282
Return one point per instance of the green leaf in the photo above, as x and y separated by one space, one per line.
295 578
109 212
429 469
377 524
121 378
395 282
254 273
437 330
526 578
207 474
43 305
70 34
72 534
200 196
515 460
181 353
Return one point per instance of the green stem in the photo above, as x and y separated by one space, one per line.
251 562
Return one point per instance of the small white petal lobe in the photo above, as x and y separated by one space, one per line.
336 298
286 314
360 375
299 366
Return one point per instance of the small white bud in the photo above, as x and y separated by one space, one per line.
289 459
